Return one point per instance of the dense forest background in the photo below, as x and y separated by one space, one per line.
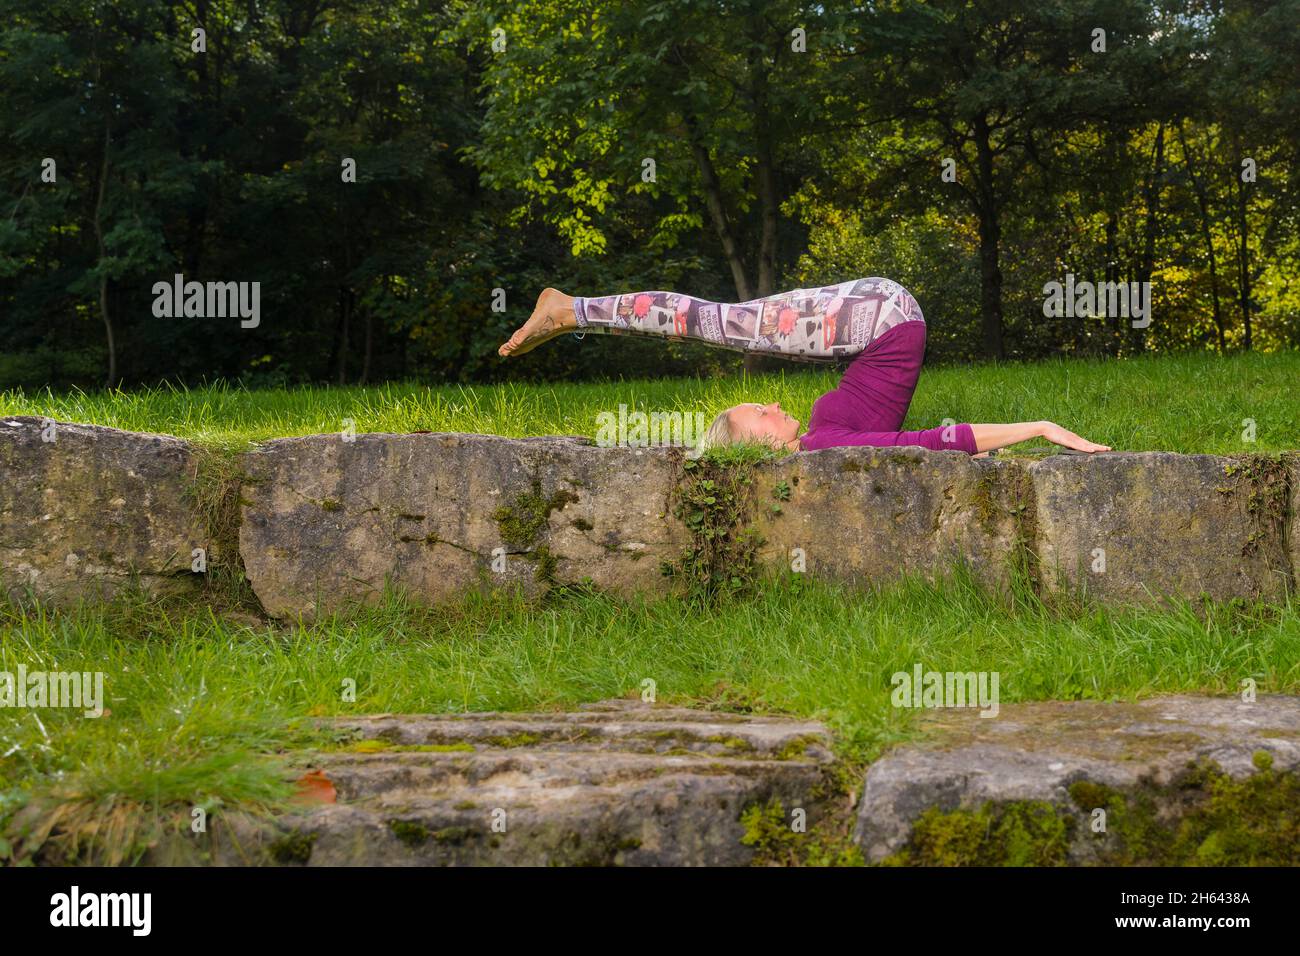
726 148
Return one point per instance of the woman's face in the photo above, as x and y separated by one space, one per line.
763 423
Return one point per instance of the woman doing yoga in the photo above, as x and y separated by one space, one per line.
874 321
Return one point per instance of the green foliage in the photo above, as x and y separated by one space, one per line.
1263 482
714 502
516 160
777 843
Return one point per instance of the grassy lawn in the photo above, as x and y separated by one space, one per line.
1187 403
203 707
206 704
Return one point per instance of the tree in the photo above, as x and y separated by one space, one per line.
702 108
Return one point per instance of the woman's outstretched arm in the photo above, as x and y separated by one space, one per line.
990 436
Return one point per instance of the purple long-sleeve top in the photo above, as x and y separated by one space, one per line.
871 400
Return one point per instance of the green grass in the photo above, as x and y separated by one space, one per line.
202 705
1194 402
206 707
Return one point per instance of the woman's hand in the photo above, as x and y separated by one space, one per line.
1063 436
990 436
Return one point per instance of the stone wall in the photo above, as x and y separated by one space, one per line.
323 520
1163 524
876 513
85 510
326 520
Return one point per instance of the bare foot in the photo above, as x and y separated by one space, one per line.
552 316
1068 439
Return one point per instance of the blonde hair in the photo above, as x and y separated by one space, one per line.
717 434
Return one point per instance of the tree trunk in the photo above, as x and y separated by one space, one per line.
345 312
722 224
769 204
1203 203
1243 255
718 213
103 279
369 350
990 240
769 201
196 222
1113 324
1148 266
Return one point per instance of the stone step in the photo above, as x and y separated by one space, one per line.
391 778
622 783
1151 767
1174 780
621 725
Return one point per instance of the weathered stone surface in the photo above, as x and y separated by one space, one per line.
1036 751
1170 524
876 513
616 783
327 520
84 513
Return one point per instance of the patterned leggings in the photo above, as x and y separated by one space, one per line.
824 324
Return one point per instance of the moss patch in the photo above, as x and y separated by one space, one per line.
293 848
386 746
1220 821
452 835
1030 833
215 488
1009 493
1203 817
713 498
523 519
984 503
522 522
798 747
410 832
1262 482
769 830
1022 508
